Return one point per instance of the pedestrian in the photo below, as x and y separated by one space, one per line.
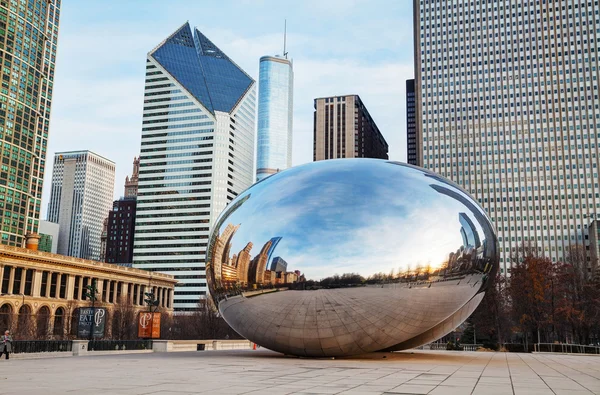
6 344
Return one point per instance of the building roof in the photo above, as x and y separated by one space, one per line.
203 69
46 258
82 152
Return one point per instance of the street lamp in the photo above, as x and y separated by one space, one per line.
91 293
150 301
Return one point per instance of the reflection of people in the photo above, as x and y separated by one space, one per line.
6 344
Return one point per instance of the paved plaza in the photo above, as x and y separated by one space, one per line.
265 372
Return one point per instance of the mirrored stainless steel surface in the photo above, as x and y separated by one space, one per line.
342 257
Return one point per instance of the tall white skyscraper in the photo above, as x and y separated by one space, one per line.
275 115
83 184
508 108
197 155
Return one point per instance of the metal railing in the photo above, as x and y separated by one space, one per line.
34 346
461 347
118 345
566 348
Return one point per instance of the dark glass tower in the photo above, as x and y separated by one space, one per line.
411 125
28 39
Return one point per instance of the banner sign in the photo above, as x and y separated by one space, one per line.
149 325
87 316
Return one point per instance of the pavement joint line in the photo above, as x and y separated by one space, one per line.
483 371
567 367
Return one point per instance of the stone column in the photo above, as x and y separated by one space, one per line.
36 287
100 288
1 276
80 292
11 280
48 284
170 298
70 286
115 285
23 277
141 294
130 294
58 284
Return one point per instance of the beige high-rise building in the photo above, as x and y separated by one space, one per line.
343 128
82 189
508 108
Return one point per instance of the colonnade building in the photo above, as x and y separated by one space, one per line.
41 283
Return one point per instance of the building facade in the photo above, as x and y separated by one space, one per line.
343 128
507 96
28 58
51 287
82 188
131 183
197 154
48 232
411 125
120 231
275 116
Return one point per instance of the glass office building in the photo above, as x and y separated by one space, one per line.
508 108
197 155
28 40
275 116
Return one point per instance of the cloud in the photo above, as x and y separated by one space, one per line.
359 46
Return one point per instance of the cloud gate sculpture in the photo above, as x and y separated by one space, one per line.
344 257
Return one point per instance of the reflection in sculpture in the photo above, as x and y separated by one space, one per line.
348 256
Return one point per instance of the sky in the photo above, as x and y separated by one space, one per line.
338 47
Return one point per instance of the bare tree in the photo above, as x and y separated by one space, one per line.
123 323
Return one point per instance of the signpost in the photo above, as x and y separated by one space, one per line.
89 320
149 322
149 325
92 322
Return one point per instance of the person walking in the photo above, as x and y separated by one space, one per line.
6 344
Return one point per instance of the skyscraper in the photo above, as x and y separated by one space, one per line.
82 188
275 114
197 155
131 184
120 229
411 126
28 37
507 95
343 128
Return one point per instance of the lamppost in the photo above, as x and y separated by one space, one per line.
91 294
151 301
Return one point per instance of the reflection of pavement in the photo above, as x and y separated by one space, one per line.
349 320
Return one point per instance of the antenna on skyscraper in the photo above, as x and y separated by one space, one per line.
284 37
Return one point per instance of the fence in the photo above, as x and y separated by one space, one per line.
116 345
459 347
36 346
566 348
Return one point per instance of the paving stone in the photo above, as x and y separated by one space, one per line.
265 372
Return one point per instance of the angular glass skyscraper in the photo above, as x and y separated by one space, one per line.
275 114
28 40
196 155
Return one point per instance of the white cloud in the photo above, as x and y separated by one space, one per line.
97 103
